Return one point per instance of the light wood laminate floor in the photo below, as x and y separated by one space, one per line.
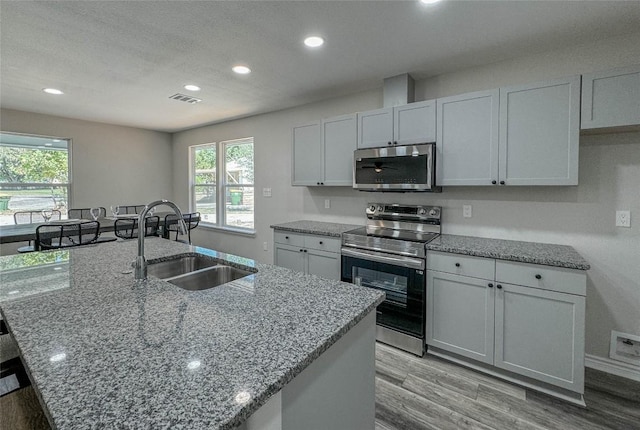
431 393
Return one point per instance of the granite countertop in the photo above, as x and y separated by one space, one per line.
316 227
107 351
511 250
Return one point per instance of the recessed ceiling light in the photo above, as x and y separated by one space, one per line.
192 87
48 144
429 1
57 140
52 91
241 70
314 41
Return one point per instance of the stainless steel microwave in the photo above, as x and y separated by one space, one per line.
396 168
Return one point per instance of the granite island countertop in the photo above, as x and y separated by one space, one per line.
106 351
511 250
321 228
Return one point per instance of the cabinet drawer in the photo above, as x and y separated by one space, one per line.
544 277
322 243
288 238
475 267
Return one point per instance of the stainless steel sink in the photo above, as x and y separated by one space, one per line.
181 264
196 272
209 277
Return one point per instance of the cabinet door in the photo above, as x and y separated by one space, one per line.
339 136
323 264
611 98
375 128
539 131
467 139
414 123
540 334
307 155
291 257
460 315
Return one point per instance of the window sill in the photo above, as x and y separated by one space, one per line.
238 231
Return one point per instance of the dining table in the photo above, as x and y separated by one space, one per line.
27 232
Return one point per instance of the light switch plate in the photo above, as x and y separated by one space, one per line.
623 218
467 211
266 192
327 204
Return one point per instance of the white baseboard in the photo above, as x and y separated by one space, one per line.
611 366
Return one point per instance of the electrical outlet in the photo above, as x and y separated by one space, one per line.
467 211
623 219
327 204
266 192
265 246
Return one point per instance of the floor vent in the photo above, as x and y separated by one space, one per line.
184 98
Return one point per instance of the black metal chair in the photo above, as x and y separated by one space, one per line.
171 225
85 213
128 228
65 235
11 367
31 217
130 209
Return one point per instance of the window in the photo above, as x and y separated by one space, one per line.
222 188
34 174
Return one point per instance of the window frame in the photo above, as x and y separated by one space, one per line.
221 185
68 185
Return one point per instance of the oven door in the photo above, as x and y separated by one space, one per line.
401 278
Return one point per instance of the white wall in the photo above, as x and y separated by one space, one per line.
581 216
110 164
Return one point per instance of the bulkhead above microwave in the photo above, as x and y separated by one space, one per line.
396 168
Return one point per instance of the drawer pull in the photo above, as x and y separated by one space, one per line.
301 250
286 237
538 276
490 285
457 264
304 250
499 286
320 242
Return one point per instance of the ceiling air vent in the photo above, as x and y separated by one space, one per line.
185 98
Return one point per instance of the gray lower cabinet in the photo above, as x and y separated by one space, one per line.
460 315
308 253
611 98
527 319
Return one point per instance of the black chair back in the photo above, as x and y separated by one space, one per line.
128 228
130 209
171 224
64 235
85 213
30 217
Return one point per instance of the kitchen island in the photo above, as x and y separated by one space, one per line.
277 349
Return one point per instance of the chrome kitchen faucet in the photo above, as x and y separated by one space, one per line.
141 262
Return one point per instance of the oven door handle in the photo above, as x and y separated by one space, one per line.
396 260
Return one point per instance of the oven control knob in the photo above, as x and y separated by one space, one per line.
372 208
379 208
433 212
422 211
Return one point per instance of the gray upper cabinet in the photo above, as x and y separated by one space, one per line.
339 137
414 123
307 154
611 98
323 152
539 133
375 128
467 139
399 125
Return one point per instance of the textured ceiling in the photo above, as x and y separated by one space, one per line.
119 61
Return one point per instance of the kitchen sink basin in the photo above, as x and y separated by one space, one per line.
180 265
209 277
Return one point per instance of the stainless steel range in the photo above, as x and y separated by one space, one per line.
389 254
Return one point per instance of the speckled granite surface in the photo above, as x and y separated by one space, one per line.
316 227
512 250
106 351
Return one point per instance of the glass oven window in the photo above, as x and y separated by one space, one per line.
394 285
392 170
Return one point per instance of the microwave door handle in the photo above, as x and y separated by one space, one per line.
408 262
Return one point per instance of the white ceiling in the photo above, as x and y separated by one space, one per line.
119 61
